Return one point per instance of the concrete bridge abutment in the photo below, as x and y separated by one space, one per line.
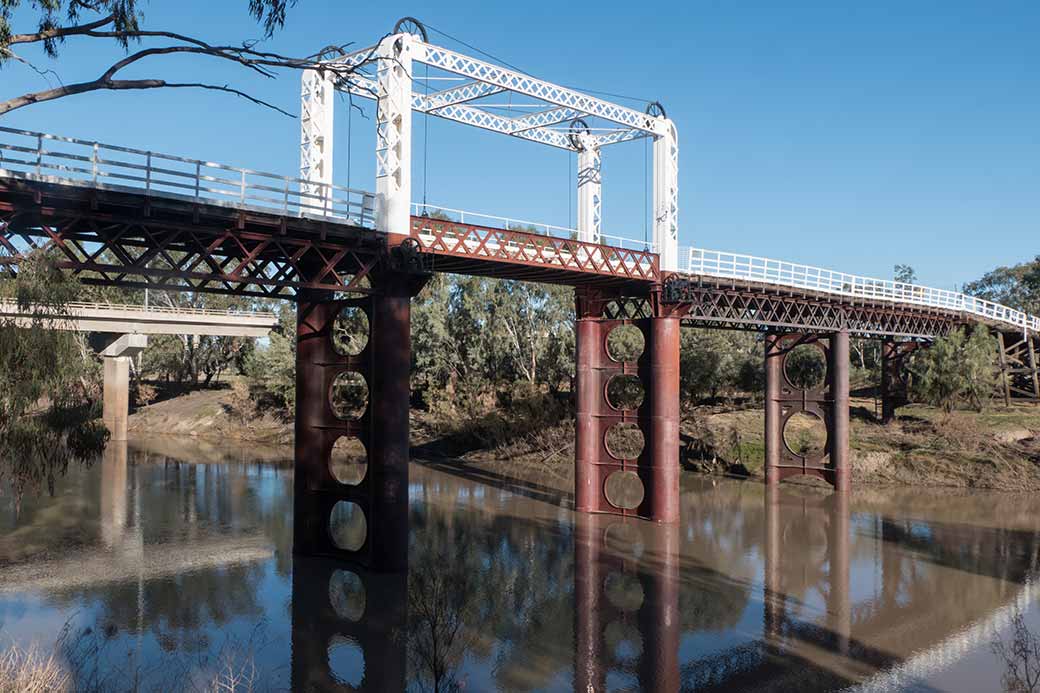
115 405
827 401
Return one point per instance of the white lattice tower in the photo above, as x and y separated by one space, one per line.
394 133
666 197
317 96
589 190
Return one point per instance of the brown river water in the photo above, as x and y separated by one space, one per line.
169 564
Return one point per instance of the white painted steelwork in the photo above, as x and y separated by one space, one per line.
317 101
714 263
51 158
559 104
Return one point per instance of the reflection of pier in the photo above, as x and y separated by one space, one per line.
824 630
626 603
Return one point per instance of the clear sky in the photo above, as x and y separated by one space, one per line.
851 135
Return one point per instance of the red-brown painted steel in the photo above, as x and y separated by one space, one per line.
894 384
385 362
829 403
657 417
472 249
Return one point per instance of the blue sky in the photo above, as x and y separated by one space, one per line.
848 135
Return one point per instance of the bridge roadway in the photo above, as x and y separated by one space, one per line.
142 219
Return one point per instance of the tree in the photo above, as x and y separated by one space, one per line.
122 22
905 274
49 381
1017 286
960 368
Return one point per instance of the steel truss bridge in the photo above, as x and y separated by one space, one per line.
115 215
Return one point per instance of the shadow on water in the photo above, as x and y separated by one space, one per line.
167 569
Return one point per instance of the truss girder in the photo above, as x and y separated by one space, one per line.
760 309
460 94
232 256
485 244
543 119
521 83
449 104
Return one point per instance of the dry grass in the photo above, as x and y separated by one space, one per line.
29 671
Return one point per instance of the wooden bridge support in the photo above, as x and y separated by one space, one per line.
646 485
894 383
343 614
606 576
364 519
1019 365
829 403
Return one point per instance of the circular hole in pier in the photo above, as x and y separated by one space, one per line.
347 526
805 434
624 441
805 367
347 595
625 343
350 331
624 490
348 462
346 661
349 395
624 591
625 392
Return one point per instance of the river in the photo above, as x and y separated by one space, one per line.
168 565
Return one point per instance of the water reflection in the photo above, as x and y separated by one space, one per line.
170 564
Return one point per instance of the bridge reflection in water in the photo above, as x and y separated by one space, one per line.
161 548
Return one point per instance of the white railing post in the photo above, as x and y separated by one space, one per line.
148 172
242 188
94 164
285 199
198 178
39 154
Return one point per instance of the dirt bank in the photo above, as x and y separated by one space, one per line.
997 449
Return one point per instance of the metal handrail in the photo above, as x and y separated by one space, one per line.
65 159
714 263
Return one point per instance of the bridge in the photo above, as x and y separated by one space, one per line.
133 324
114 215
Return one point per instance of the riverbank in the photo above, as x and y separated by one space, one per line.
996 449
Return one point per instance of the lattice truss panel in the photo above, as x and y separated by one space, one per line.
488 245
754 308
145 253
499 99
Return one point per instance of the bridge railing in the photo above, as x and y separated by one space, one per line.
714 263
10 305
52 158
490 220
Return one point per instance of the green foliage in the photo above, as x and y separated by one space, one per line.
905 274
49 382
51 15
1017 286
958 369
271 370
717 362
